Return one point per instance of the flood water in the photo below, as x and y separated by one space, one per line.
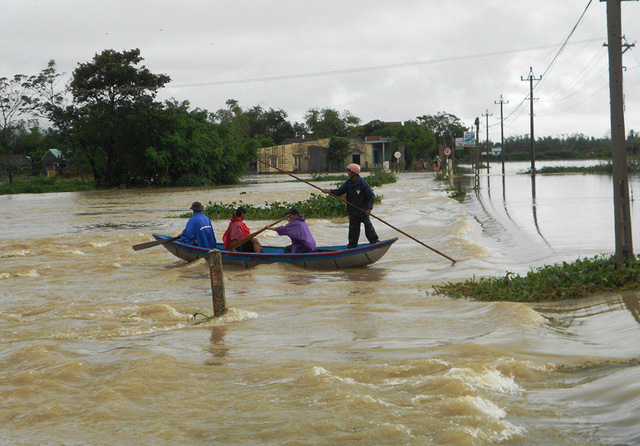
96 346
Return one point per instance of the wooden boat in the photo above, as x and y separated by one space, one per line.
327 257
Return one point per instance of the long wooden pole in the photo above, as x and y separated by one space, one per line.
360 209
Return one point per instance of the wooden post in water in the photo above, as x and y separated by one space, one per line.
214 259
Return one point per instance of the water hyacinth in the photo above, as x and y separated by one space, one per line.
316 206
560 281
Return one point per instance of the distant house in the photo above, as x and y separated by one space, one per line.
15 162
51 162
382 155
309 156
295 155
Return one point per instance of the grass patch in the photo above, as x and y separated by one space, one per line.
633 166
560 281
43 184
317 206
378 177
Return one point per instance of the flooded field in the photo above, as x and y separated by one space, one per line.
96 346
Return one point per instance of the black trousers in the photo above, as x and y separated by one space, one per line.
355 220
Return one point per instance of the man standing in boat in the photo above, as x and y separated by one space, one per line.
298 231
360 194
199 230
238 229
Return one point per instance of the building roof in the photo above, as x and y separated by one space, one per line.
14 160
55 152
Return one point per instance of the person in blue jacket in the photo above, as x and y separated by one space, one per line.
199 230
359 193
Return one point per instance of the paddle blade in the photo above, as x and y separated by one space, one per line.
146 245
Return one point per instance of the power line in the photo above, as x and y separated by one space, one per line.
362 69
564 44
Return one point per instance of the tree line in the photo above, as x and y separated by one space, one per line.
107 122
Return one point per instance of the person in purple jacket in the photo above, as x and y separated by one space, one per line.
298 231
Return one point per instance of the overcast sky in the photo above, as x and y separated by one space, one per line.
387 60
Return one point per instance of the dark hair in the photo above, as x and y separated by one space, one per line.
241 210
293 211
196 206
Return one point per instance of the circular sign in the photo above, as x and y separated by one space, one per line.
447 151
397 155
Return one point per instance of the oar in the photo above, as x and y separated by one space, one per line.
246 238
146 245
360 209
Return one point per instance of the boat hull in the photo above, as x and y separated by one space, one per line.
328 257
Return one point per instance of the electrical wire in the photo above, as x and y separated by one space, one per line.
362 69
553 61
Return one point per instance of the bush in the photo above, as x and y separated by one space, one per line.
378 177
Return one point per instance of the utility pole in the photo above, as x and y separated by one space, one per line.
486 115
622 214
501 102
531 78
477 170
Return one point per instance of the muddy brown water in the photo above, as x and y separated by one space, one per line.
96 347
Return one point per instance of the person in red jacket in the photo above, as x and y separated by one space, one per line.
238 229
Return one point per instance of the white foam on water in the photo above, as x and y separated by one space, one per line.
396 382
398 427
507 432
234 315
18 253
5 276
30 273
370 399
99 244
75 252
116 265
320 371
481 405
420 398
488 378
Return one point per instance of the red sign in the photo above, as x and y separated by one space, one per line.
447 151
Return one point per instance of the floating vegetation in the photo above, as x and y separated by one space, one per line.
560 281
317 206
633 166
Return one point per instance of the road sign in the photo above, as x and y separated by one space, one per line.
469 139
397 155
447 151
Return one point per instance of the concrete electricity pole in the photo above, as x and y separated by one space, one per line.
531 78
477 169
501 102
622 219
486 114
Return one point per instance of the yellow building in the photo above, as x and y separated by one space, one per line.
310 156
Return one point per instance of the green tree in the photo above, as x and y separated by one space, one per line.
417 139
193 150
13 103
445 127
338 150
327 122
271 123
110 95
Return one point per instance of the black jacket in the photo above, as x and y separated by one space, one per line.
358 192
